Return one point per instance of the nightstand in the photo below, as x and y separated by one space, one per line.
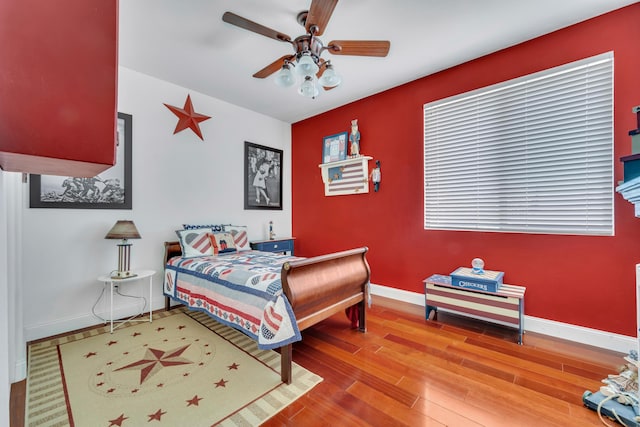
116 283
282 245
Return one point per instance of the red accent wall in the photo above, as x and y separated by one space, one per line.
582 280
58 85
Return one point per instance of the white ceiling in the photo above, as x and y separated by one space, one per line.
187 43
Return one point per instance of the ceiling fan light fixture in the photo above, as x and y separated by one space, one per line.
330 78
309 88
308 49
285 77
306 65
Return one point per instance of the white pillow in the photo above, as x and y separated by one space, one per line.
240 236
196 242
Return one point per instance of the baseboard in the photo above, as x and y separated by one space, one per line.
594 337
36 332
62 326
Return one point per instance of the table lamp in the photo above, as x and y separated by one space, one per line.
123 230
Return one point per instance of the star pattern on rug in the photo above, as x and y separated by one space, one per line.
154 360
118 421
136 370
188 118
194 401
156 415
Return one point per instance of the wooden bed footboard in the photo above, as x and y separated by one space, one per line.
322 286
316 288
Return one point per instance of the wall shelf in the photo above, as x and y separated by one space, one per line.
350 176
630 190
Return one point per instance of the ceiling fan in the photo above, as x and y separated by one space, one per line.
314 70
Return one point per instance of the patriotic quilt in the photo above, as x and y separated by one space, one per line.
242 290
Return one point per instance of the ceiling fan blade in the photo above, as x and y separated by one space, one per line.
359 47
319 15
239 21
273 67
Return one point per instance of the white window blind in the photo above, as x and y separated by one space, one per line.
534 154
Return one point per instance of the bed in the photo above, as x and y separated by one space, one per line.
269 297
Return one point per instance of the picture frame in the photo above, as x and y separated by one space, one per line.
110 189
262 177
334 147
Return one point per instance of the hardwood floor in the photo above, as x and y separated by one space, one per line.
449 372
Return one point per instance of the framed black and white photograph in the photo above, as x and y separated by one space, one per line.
110 189
262 177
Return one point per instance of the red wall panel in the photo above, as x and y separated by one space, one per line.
58 82
582 280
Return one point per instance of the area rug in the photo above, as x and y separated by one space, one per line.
184 369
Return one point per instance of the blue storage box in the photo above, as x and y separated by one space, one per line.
488 281
610 408
631 166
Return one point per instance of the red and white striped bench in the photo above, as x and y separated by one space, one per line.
505 307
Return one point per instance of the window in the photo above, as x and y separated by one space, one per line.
533 155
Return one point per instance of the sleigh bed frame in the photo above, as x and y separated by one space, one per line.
316 288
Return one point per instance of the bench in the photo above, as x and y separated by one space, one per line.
504 307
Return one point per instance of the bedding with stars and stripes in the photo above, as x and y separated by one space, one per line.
242 290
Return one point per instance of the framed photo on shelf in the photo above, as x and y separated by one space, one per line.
334 147
262 177
110 189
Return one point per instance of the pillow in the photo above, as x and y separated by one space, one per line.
195 242
214 244
240 236
216 228
224 242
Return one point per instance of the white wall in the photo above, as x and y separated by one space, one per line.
12 345
176 179
5 321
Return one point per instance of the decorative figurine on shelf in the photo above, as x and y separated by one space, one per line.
477 265
635 133
272 235
354 139
374 176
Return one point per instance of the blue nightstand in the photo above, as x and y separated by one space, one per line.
283 245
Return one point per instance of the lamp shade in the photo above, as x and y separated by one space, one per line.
285 77
123 230
306 65
330 78
308 88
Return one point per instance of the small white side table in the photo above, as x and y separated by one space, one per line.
141 274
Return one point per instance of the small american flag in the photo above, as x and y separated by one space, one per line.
346 179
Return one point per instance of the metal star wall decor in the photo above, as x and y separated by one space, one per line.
188 118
